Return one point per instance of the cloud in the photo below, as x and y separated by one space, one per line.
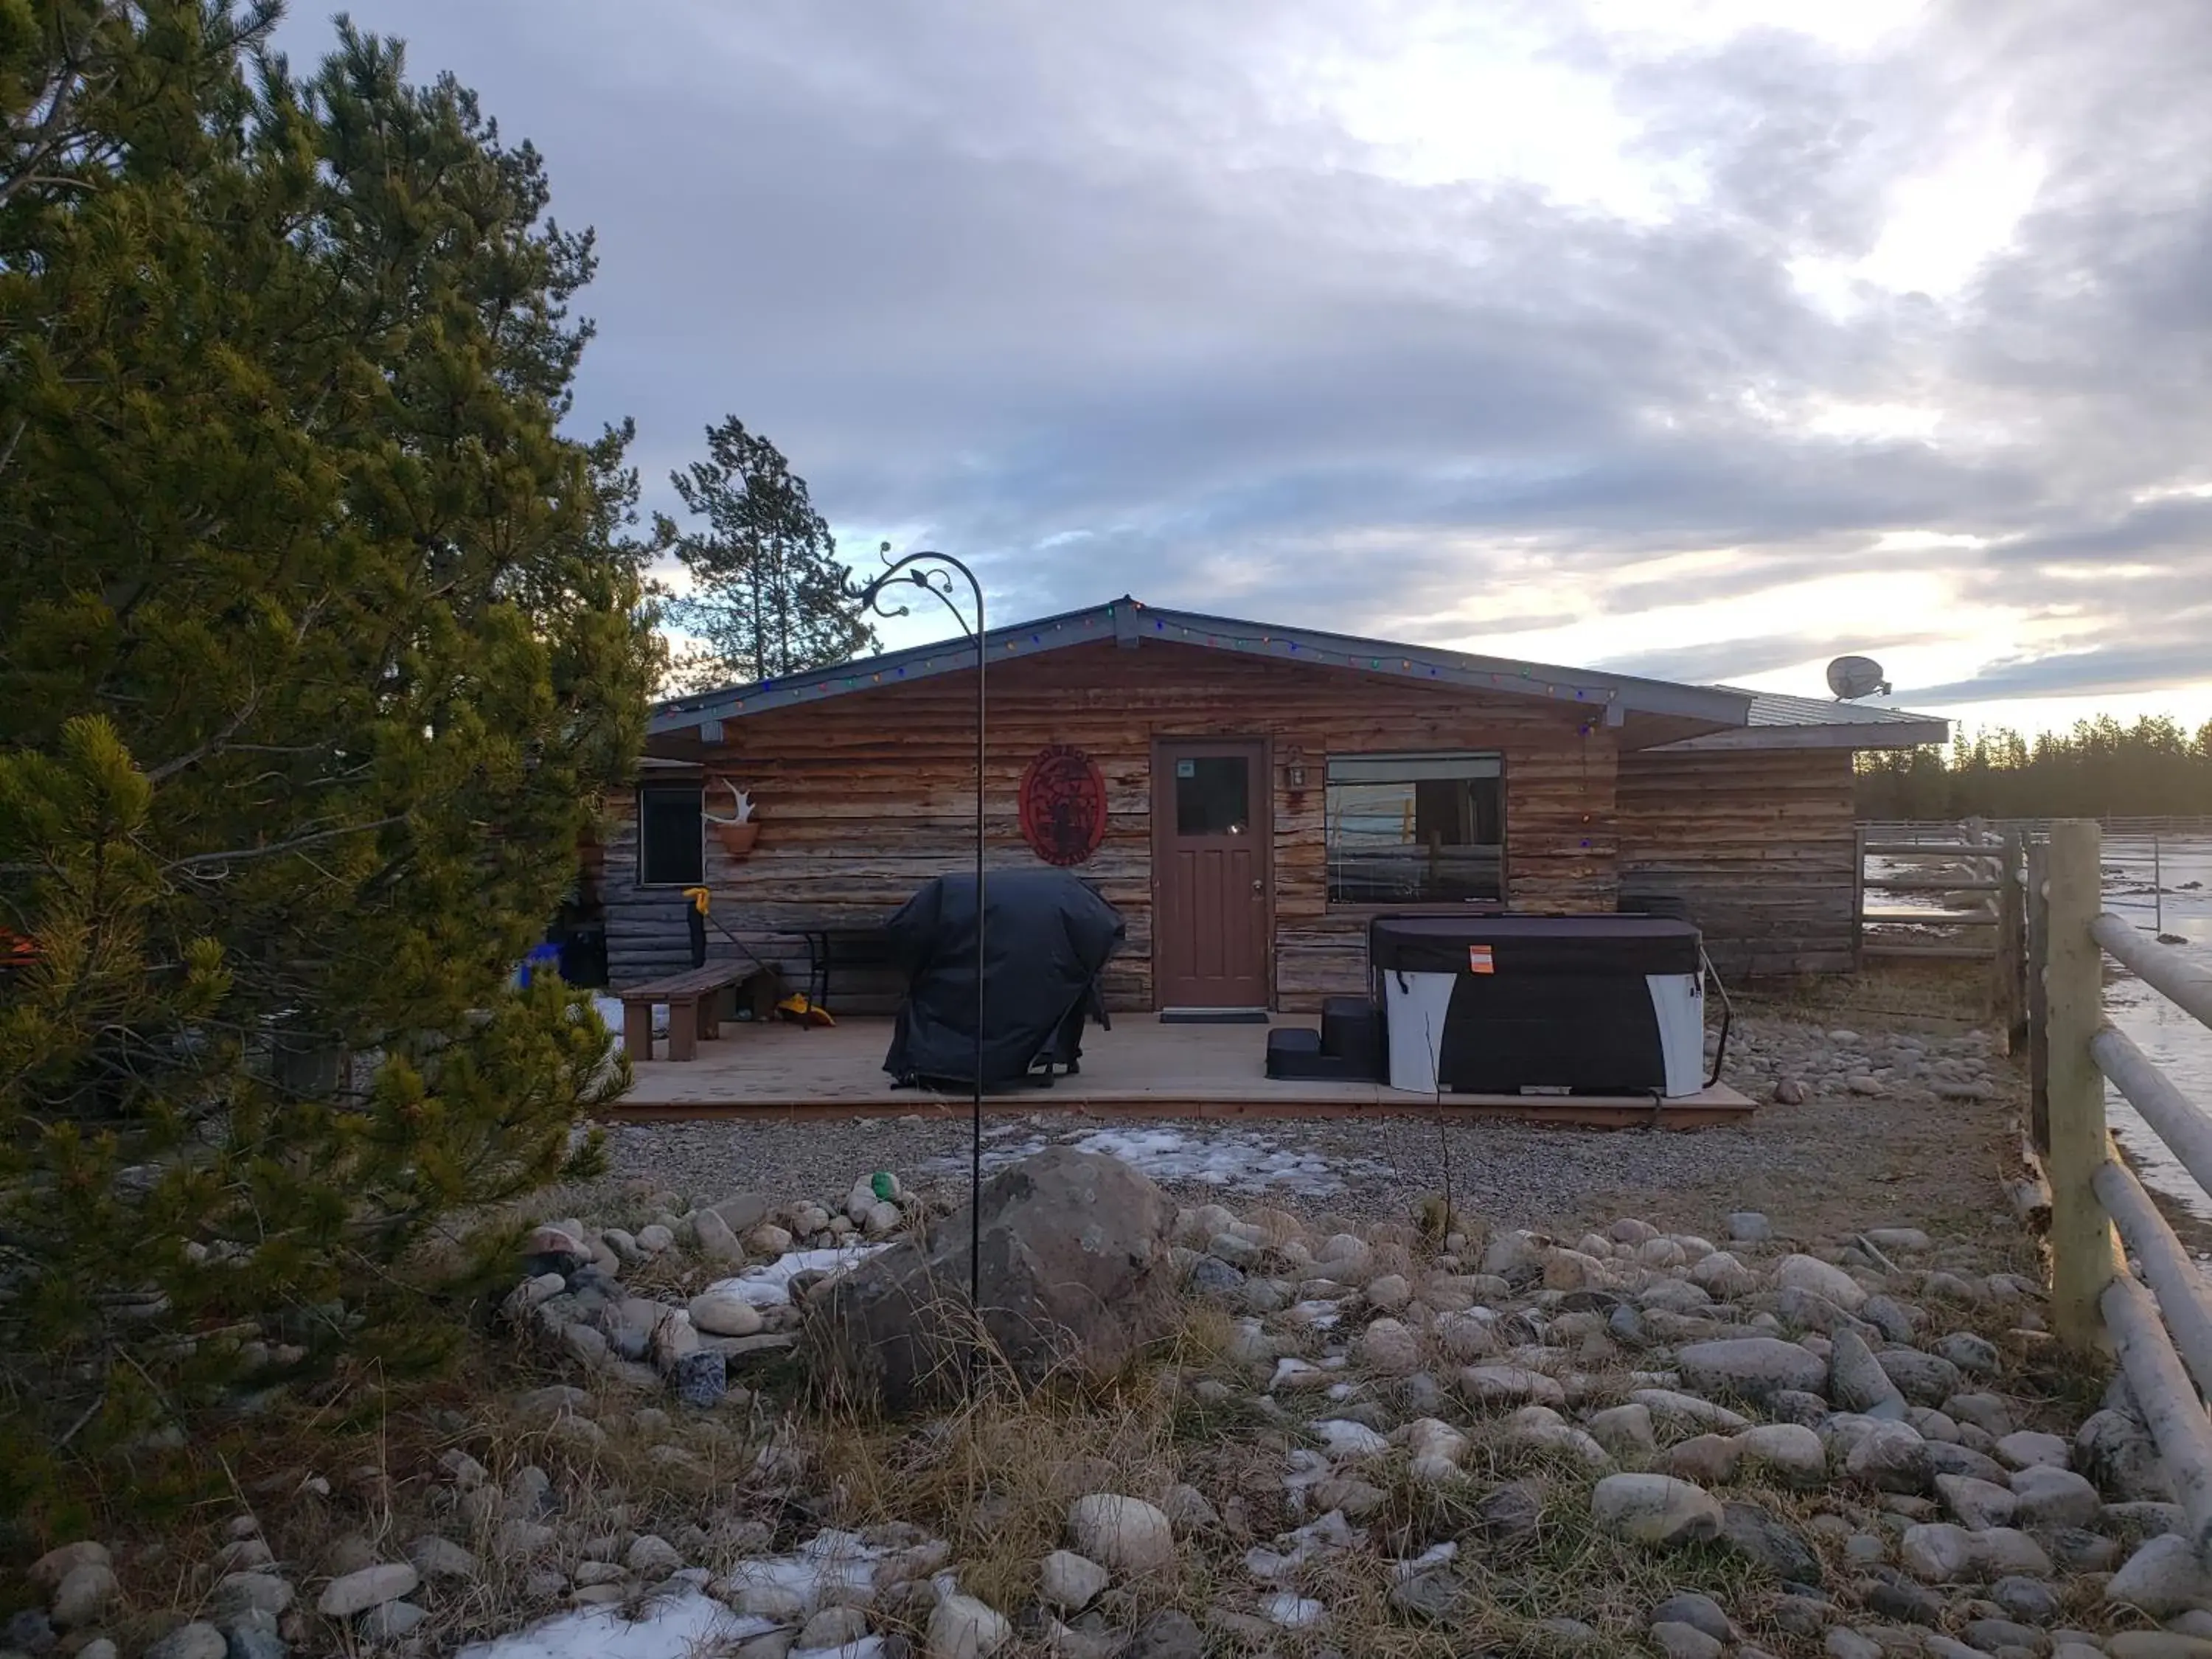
1361 316
1717 660
2175 655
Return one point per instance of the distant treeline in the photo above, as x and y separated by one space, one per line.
2156 768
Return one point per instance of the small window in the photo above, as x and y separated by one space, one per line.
1214 795
671 840
1416 829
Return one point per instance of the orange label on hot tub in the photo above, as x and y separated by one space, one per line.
1479 961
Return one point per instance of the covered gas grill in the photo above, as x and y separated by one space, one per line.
1508 1004
1048 938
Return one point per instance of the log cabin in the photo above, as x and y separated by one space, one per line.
1248 795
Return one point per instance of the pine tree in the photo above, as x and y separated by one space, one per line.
768 596
317 644
2154 768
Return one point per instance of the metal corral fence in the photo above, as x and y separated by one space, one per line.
1920 830
2148 1304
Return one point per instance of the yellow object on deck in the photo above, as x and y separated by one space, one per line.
801 1010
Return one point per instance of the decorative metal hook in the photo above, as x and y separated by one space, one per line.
933 578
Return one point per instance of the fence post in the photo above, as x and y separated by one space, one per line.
1859 899
2082 1253
2039 1001
2010 1009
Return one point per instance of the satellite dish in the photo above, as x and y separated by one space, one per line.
1853 677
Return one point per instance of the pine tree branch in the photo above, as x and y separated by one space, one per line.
169 769
239 856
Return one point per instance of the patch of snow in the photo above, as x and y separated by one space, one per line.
833 1567
1307 1469
1437 1555
1316 1316
677 1628
768 1284
1237 1160
610 1011
1348 1439
1293 1612
1295 1549
1289 1369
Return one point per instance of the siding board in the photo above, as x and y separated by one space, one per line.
1758 844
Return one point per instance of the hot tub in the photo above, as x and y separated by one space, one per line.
1512 1005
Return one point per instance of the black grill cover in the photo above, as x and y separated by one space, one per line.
1534 944
1048 938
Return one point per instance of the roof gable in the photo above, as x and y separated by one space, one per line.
1131 622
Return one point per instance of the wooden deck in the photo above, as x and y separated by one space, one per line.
1140 1068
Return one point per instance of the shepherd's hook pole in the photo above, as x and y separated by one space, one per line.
910 571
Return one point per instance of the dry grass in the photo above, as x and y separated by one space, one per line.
1904 995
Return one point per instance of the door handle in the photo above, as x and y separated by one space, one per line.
1256 887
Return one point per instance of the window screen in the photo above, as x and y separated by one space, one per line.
670 845
1416 828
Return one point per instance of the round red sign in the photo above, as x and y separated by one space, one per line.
1063 803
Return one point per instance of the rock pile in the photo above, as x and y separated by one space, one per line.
1945 1518
1779 1447
572 1295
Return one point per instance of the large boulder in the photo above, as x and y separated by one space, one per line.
1076 1274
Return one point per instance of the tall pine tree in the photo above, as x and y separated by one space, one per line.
768 597
317 644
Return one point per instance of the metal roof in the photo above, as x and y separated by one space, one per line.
1130 622
1781 721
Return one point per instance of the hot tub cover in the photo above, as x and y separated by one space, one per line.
1438 944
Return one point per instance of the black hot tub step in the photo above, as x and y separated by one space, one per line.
1351 1029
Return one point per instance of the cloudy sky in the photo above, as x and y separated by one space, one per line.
1706 339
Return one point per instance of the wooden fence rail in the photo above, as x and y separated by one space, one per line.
2159 1324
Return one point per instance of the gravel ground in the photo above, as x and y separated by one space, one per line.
1876 1139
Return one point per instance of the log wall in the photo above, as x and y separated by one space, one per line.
1758 845
863 796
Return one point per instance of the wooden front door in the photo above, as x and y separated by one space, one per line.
1212 913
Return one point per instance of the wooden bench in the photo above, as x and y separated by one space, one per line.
694 999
